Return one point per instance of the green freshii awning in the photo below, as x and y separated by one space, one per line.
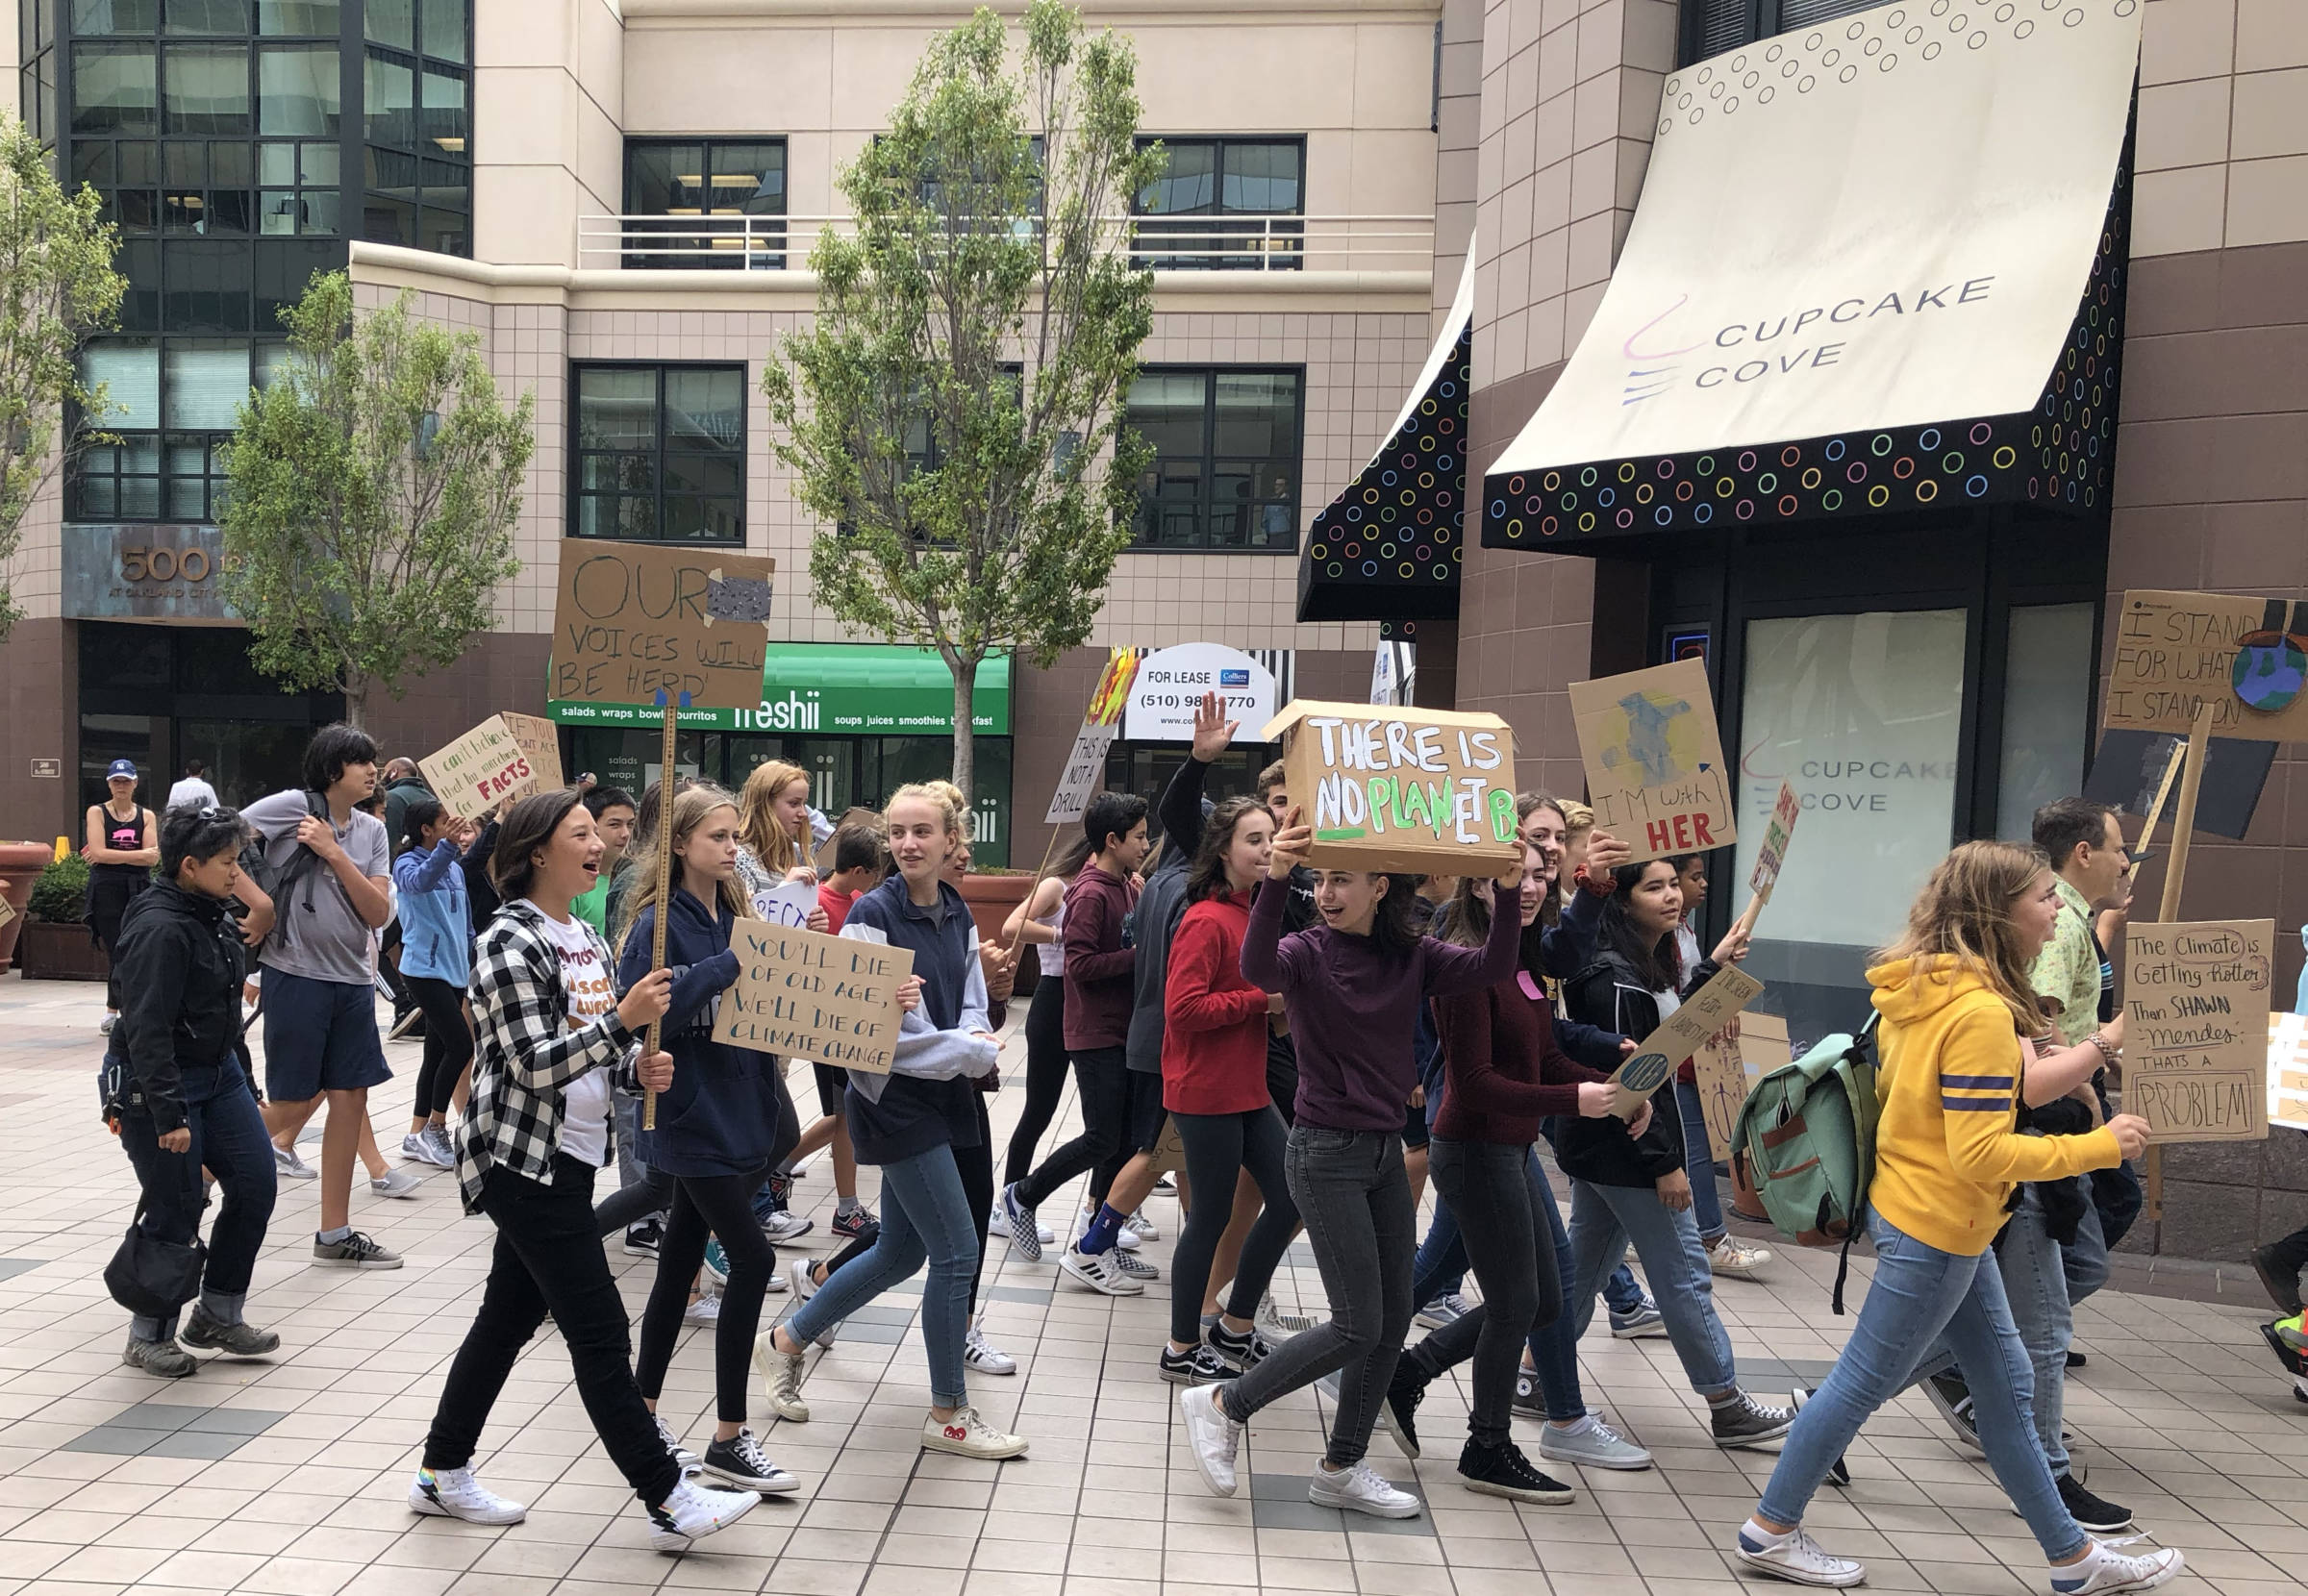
835 690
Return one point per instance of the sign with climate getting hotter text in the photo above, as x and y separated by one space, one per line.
2195 1028
1430 792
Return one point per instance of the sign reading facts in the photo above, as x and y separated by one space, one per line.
1386 788
1654 759
1086 762
2247 655
541 739
483 768
2288 1071
803 994
1772 858
1659 1054
635 620
2195 1056
788 904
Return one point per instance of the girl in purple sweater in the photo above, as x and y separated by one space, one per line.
1351 987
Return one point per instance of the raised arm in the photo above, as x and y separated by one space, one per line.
1452 969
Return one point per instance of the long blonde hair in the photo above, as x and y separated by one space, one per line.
1965 914
771 845
690 807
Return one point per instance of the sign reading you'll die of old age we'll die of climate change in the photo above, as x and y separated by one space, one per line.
803 994
2195 1000
1654 759
1424 791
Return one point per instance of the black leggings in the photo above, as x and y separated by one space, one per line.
448 1043
1219 1147
976 1165
1045 1074
1103 1079
707 1206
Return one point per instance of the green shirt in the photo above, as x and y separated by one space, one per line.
592 908
2068 969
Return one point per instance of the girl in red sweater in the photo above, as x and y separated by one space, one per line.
1213 1083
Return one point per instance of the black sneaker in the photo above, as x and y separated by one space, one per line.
1954 1399
858 1225
1838 1472
2076 1358
1742 1421
2100 1516
1196 1366
1504 1471
1246 1352
741 1462
641 1240
1527 1400
232 1340
1404 1394
2283 1284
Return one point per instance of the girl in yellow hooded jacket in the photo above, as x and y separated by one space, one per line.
1957 1009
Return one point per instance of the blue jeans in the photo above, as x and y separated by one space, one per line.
1699 1162
1603 1219
1919 1294
1555 1348
925 1216
2035 1287
2086 1261
1440 1266
228 1138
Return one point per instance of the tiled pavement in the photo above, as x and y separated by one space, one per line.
288 1477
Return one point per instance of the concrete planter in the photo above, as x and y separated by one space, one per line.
51 951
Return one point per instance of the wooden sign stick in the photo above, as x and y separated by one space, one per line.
2155 811
665 893
2175 872
1048 853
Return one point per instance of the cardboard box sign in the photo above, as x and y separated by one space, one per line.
541 739
483 768
1659 1054
1654 759
854 815
2196 1042
803 994
1430 792
2249 656
637 619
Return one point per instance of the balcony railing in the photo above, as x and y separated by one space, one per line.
1161 244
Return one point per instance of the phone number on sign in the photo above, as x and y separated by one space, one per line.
1193 701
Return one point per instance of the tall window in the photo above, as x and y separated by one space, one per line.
1222 184
416 125
172 403
1710 27
730 196
1227 446
659 453
36 79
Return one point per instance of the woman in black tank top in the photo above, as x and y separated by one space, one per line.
121 846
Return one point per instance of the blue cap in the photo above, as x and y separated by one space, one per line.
123 767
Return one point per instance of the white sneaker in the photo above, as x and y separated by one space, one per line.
967 1434
1276 1326
454 1493
1592 1443
1211 1437
397 1182
285 1160
1360 1489
414 1148
1125 1239
983 1355
2105 1570
695 1510
1448 1309
803 1289
785 1226
1737 1259
1139 1226
689 1460
781 1377
1099 1272
704 1311
1794 1556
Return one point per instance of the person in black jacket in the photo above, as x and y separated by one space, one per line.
176 1089
1626 1187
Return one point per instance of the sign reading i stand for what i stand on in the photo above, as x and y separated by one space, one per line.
2195 1002
1430 792
1654 759
2249 657
803 994
636 620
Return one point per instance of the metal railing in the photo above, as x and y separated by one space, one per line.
1160 243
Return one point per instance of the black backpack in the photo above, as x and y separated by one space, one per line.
281 882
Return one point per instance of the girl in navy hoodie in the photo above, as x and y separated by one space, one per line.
718 1126
908 1122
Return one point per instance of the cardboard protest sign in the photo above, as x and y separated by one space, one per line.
2132 768
2195 1000
1776 831
2288 1071
1659 1054
854 815
541 739
788 904
1730 1062
482 769
1654 759
2247 656
635 620
1430 792
807 995
1086 762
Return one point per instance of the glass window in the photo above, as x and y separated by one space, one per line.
207 17
392 22
206 88
389 100
297 91
205 288
114 16
130 373
1861 713
208 380
1226 458
298 18
692 178
445 124
114 90
659 453
2048 686
1216 178
445 27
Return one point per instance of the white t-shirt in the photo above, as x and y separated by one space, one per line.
584 979
191 791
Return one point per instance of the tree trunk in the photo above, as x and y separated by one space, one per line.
966 746
355 698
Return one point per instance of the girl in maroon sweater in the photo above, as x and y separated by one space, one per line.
1213 1083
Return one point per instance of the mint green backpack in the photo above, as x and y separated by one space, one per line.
1806 1139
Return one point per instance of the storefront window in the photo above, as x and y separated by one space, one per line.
1861 713
2047 684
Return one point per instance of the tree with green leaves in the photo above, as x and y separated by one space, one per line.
953 414
374 485
57 285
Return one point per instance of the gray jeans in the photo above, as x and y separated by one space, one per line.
1355 1200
